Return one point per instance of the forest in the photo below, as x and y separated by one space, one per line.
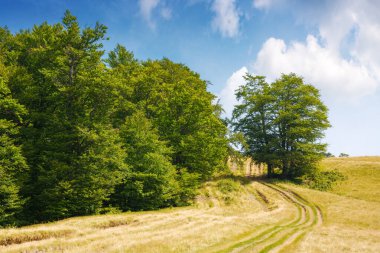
87 132
83 133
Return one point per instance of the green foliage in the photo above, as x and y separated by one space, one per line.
80 134
322 180
328 154
12 162
152 183
343 155
228 185
182 110
236 141
282 122
188 184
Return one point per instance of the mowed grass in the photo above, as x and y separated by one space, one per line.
227 212
226 209
351 209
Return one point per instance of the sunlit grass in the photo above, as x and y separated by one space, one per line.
224 209
227 212
351 209
363 176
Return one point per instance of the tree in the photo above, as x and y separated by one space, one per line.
283 123
13 165
152 182
179 106
98 132
343 155
328 154
182 110
254 118
74 153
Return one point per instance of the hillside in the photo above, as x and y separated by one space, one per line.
231 214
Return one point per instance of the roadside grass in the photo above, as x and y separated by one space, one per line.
351 209
349 224
225 208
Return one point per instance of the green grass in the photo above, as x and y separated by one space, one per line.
362 177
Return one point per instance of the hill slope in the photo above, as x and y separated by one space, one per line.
231 215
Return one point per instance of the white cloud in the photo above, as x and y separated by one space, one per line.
319 65
227 95
227 18
166 13
264 4
341 58
146 9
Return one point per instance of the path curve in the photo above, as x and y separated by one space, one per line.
275 238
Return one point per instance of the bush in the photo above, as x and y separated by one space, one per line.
228 186
322 180
188 185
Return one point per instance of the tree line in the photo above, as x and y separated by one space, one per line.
84 132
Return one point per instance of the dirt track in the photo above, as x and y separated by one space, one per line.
277 237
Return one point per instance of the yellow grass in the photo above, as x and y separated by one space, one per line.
214 218
363 176
351 209
228 216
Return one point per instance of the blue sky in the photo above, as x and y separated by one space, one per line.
333 44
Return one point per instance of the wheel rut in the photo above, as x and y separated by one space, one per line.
276 237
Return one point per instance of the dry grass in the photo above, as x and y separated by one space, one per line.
351 209
217 216
16 237
224 214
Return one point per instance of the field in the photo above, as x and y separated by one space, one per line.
231 214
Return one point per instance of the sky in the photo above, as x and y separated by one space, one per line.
333 44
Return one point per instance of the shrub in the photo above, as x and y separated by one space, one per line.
228 186
322 180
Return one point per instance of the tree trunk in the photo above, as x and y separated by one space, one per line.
270 170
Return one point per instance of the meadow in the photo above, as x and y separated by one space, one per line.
231 214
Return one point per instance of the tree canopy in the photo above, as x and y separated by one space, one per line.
283 123
81 131
13 165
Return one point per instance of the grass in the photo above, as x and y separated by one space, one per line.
225 208
351 209
363 176
17 237
229 212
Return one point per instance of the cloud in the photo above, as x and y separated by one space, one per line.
227 94
318 65
341 57
147 7
227 18
166 13
264 4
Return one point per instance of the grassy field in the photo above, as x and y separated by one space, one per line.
351 209
231 215
363 177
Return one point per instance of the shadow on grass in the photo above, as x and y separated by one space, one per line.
244 180
321 180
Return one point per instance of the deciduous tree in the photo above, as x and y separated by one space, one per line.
283 123
13 167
